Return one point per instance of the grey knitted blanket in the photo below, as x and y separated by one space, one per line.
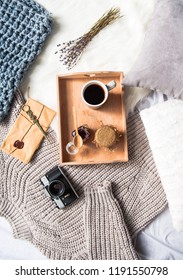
116 200
24 26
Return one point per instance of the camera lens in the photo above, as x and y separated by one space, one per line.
56 188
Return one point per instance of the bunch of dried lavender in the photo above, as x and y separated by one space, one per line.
70 52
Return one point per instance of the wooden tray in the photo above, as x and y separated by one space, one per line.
111 113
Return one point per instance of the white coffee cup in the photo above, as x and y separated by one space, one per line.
94 93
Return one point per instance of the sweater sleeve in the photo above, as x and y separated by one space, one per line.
107 236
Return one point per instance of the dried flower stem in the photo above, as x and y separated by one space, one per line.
70 52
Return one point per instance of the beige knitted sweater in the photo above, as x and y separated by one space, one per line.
116 200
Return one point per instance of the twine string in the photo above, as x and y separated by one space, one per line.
32 123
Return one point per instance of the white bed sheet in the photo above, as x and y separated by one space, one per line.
114 49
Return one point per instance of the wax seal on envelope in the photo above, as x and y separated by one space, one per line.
25 136
18 144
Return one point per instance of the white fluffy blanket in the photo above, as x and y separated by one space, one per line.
115 48
164 127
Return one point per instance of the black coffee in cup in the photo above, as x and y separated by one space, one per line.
94 94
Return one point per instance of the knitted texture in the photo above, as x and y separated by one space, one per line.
24 26
99 224
107 236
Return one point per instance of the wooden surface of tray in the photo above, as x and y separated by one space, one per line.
111 113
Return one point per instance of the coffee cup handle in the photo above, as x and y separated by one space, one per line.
111 85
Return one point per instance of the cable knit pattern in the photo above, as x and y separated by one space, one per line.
24 26
99 224
164 128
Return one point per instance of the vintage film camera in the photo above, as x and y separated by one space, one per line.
58 187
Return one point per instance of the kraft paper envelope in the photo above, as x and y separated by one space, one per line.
25 137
